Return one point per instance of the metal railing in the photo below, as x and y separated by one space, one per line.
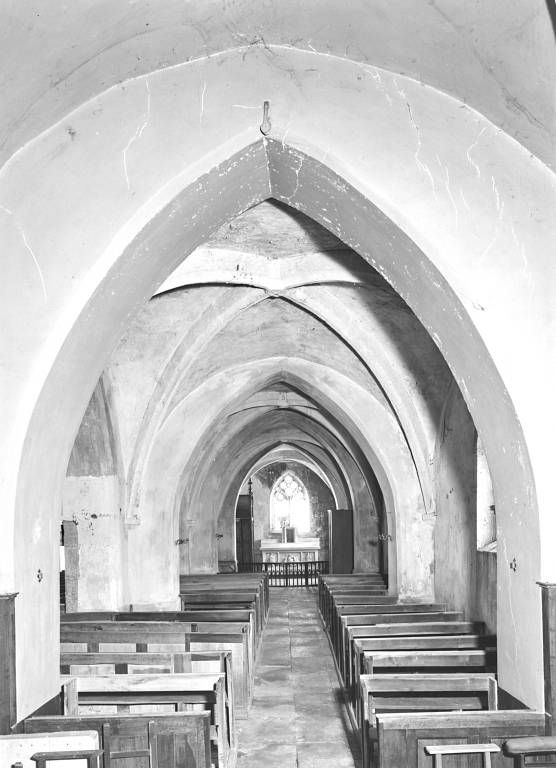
305 574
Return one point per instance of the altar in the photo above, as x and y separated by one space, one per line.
300 551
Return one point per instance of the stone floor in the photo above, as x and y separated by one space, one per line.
298 718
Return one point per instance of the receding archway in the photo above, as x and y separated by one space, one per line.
242 181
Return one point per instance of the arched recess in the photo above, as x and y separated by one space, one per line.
319 451
314 458
236 171
362 497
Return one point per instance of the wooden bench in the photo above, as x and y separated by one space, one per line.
86 695
402 737
164 735
83 663
257 583
380 694
329 584
19 748
329 596
414 643
326 605
167 636
192 617
219 601
339 641
352 615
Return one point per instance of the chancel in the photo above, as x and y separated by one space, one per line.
278 370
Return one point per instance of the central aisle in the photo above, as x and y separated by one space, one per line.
297 717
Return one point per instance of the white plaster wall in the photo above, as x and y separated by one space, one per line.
93 503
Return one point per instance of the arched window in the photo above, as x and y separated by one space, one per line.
289 504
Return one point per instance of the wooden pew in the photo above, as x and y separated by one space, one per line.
385 631
192 617
83 663
329 596
164 734
229 582
374 597
401 738
119 663
348 597
206 602
18 748
444 660
166 636
179 692
345 614
380 694
414 643
330 583
369 619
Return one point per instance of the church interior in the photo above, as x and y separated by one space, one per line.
278 373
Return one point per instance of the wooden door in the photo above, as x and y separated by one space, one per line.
340 529
244 529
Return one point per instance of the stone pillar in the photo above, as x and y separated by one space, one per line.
8 709
548 594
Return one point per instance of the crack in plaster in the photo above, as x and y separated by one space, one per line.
521 247
375 74
448 188
472 146
423 167
297 172
21 231
496 193
138 133
284 137
463 200
203 94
